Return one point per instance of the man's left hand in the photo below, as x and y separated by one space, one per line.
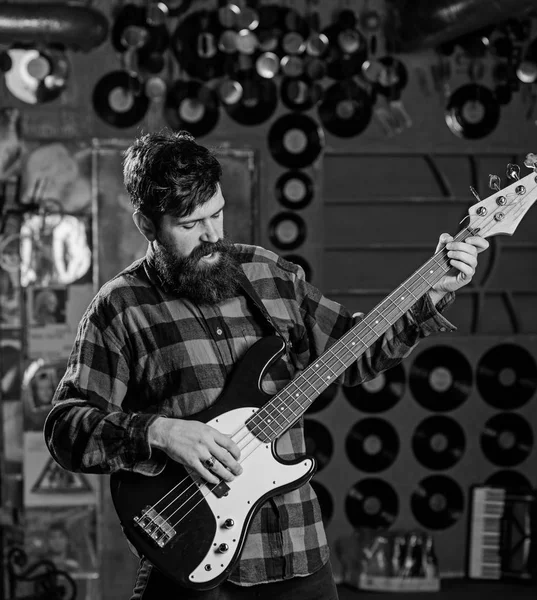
463 258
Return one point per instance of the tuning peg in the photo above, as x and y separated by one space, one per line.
495 183
513 171
475 194
531 161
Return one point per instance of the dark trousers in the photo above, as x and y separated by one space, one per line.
152 585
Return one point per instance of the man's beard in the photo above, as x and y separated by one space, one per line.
190 278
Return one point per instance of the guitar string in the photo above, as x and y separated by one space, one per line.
442 255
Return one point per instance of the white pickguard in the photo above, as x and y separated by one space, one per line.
261 473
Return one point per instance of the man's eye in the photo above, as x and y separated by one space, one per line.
188 225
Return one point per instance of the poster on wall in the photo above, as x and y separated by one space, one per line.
47 484
67 537
53 315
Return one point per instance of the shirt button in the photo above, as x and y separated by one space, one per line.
219 331
442 328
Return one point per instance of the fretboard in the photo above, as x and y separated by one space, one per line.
290 403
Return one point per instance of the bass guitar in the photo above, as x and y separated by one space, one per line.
193 531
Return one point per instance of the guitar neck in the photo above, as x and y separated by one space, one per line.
290 403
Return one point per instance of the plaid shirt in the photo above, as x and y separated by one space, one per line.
141 352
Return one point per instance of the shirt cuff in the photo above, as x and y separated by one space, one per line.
429 318
147 460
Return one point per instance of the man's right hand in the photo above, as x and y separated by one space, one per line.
192 444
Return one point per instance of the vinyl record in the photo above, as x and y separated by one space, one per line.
393 77
287 231
440 378
347 51
193 106
326 397
372 503
510 480
300 93
326 501
195 45
438 443
346 109
319 443
119 99
472 112
37 76
372 445
507 439
437 502
258 101
506 376
379 394
295 140
294 189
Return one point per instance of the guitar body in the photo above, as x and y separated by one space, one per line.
208 529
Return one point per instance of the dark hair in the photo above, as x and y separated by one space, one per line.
169 173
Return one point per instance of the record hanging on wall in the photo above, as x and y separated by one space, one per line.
506 376
119 99
438 442
472 111
507 439
440 378
294 189
193 106
308 274
379 394
319 442
295 140
346 109
437 502
287 230
256 102
372 445
373 503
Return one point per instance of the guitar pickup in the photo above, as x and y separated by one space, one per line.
221 489
155 526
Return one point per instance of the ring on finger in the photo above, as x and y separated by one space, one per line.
209 463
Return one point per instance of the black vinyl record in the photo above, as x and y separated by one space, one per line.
437 502
195 45
393 77
258 101
324 399
294 189
287 231
507 439
440 378
326 501
372 445
319 443
300 93
439 443
193 106
119 99
372 503
510 480
346 109
472 112
380 394
347 51
506 376
295 140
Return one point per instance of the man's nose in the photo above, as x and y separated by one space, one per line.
210 233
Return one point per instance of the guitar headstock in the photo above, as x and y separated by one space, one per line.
502 211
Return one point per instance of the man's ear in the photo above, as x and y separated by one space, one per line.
145 226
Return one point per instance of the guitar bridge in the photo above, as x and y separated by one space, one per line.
155 526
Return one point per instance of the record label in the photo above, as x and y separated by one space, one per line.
440 378
506 376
